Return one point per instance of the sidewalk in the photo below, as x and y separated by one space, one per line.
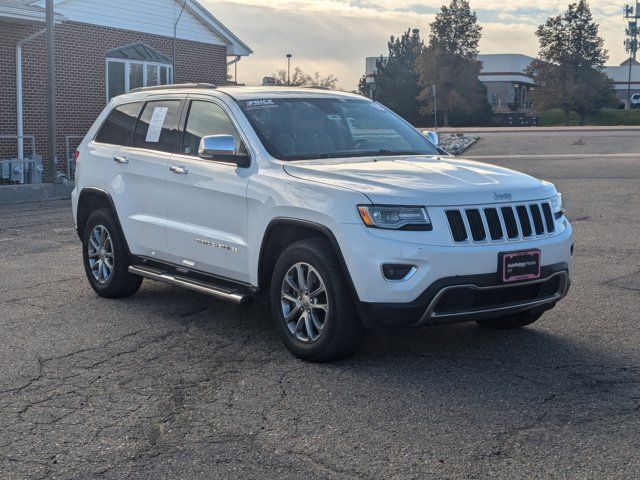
14 194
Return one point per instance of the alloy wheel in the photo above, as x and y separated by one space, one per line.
305 302
100 254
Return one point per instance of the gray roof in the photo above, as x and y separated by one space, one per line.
138 51
21 5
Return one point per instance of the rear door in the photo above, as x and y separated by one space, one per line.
138 176
207 200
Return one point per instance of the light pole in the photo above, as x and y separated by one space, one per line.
632 14
435 108
289 68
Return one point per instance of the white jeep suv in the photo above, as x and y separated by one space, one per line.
327 205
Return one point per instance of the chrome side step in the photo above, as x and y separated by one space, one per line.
216 291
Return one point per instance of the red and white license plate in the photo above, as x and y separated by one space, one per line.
519 266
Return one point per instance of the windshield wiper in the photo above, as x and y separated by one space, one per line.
370 153
397 152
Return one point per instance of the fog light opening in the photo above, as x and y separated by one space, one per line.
398 272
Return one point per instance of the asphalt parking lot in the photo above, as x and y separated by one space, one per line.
172 384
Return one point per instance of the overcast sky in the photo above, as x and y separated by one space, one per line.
335 36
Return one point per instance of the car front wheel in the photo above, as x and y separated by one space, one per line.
312 304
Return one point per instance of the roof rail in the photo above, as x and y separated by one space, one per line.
173 86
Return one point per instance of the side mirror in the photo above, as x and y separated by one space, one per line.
222 148
433 137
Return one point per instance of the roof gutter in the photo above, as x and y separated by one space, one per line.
235 62
19 103
25 14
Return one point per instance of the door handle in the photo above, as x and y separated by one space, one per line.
179 170
120 160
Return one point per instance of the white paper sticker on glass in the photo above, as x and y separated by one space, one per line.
156 124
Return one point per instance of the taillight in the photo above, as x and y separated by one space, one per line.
76 154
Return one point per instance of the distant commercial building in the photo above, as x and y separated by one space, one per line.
510 89
620 77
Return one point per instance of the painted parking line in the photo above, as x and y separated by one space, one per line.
556 155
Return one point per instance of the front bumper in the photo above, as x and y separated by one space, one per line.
468 298
365 252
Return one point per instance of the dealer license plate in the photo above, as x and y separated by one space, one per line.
519 266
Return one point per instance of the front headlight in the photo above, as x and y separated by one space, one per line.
395 217
557 206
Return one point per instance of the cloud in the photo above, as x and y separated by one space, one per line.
335 36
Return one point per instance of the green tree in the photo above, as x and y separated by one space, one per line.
364 88
569 71
396 79
449 63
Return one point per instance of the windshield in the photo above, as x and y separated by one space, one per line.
309 128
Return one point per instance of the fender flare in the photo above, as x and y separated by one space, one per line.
105 195
322 229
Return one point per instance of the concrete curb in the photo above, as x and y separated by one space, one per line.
14 194
535 129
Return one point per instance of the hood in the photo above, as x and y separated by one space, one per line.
437 181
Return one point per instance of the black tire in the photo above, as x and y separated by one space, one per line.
342 331
120 283
512 322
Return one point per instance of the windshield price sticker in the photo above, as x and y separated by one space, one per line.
156 124
260 104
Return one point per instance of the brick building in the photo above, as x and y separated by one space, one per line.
102 49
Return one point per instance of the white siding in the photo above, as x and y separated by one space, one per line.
148 16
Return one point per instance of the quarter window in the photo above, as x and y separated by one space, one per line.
157 128
206 118
118 127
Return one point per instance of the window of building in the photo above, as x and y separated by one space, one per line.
157 128
118 127
206 118
136 65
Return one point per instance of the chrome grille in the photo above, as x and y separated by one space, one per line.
503 223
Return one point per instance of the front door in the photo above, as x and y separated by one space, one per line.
207 200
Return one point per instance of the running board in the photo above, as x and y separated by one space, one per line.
216 291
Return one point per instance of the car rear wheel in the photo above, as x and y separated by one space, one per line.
511 322
106 261
312 305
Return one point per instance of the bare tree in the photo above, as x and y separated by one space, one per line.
301 79
317 80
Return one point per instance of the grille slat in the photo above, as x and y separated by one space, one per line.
548 217
508 222
537 218
493 221
525 223
458 230
477 227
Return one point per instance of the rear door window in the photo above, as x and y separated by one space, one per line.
118 127
157 128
